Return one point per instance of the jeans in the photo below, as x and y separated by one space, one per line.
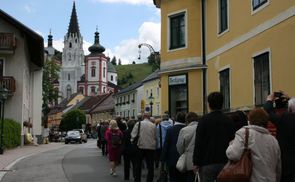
210 172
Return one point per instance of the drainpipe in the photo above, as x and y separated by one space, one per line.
204 56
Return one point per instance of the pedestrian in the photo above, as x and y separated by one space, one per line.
239 118
214 132
169 153
128 152
186 144
114 139
102 132
161 135
285 125
146 146
264 148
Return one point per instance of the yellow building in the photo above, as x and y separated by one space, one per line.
152 93
181 64
249 48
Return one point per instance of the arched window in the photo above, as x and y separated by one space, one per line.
69 91
70 45
112 78
93 71
104 72
69 77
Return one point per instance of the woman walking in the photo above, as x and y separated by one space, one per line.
114 139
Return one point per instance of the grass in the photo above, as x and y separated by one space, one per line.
131 73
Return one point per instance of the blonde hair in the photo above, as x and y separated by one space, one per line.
113 124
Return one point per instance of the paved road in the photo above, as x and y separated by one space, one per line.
71 163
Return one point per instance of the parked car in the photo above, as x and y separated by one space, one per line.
73 136
83 134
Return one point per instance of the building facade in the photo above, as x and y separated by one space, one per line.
248 49
21 61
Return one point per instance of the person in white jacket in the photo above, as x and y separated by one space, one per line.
186 143
266 155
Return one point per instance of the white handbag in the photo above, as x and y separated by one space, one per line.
181 163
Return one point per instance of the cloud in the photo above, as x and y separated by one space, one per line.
135 2
127 50
28 8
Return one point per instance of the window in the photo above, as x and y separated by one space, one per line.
93 71
133 113
128 100
92 89
257 3
147 94
69 77
104 90
225 87
151 92
69 91
177 31
112 78
261 78
158 109
1 67
178 94
70 45
81 90
223 15
104 72
158 92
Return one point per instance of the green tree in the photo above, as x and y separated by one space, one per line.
133 62
49 93
114 60
120 63
154 60
72 120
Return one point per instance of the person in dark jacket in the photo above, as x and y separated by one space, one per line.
128 152
285 126
239 118
213 134
169 153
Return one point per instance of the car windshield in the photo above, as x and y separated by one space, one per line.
71 133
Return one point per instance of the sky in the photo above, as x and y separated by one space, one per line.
122 24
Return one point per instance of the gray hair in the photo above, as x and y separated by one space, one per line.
291 105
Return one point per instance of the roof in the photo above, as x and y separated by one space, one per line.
74 26
111 68
129 88
96 48
107 104
157 3
153 76
35 42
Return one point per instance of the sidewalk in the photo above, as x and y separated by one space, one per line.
10 157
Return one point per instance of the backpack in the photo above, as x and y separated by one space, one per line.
116 139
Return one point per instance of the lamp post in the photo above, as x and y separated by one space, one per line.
3 97
151 99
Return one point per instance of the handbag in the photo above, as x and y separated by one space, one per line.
181 163
135 140
238 171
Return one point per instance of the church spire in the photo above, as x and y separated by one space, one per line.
49 39
96 48
74 26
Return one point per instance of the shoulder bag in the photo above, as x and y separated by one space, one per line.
238 171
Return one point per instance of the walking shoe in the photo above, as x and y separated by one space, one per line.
114 174
111 172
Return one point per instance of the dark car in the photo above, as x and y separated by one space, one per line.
73 136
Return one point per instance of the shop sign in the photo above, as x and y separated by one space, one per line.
177 80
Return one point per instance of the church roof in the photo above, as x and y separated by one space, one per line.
96 48
111 68
74 26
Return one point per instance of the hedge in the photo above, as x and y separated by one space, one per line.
12 133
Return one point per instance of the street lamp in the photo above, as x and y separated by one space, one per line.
3 97
151 99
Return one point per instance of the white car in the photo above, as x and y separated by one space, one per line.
83 135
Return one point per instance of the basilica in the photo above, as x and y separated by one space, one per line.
91 74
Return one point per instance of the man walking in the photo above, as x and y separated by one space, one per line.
147 146
213 134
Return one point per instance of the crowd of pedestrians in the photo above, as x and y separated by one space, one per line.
204 144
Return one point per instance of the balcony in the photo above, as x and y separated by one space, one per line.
8 82
7 43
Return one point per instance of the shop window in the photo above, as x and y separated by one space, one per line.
178 94
225 88
261 78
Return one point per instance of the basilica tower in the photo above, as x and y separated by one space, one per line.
72 58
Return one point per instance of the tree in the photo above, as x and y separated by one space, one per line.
154 60
114 60
133 62
120 63
49 93
72 120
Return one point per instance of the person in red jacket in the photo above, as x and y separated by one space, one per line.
114 139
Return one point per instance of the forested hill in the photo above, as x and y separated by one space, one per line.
131 73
